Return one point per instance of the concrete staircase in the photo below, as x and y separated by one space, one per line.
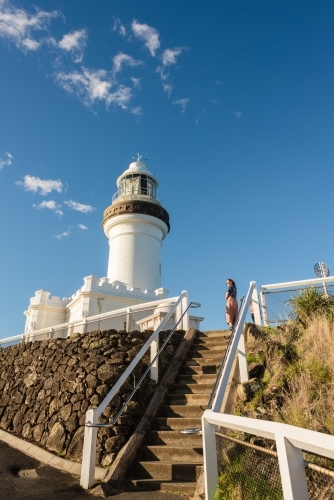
170 461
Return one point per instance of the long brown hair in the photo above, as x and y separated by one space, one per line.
232 281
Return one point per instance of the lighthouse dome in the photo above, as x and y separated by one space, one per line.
137 182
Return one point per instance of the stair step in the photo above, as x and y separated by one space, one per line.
208 357
165 453
192 388
208 341
196 379
185 399
203 349
167 470
175 423
203 362
213 333
198 370
180 411
165 485
172 438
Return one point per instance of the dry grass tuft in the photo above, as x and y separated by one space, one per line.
299 375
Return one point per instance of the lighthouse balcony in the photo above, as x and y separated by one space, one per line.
137 194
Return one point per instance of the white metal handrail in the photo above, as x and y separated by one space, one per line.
290 441
92 415
237 344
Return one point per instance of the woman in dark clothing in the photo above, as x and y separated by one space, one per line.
231 303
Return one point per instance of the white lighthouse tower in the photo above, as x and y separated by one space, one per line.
135 225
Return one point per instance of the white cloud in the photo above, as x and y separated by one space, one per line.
63 235
89 86
168 87
5 163
169 55
183 103
51 205
136 111
202 113
238 114
136 82
17 25
34 184
148 34
79 207
123 59
118 26
82 227
74 42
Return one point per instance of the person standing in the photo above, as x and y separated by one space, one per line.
231 303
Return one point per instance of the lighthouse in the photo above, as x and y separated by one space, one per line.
135 224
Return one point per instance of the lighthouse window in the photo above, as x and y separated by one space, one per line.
138 184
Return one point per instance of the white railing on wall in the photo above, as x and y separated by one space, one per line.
290 441
90 323
92 415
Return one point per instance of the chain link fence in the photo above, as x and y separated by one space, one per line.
248 470
275 303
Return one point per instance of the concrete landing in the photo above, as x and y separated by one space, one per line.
50 483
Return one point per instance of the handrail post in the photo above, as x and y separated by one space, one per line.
243 365
264 308
155 366
89 451
129 326
292 469
51 334
256 308
184 305
210 459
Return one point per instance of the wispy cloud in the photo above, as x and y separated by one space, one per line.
18 26
118 26
168 87
50 205
183 103
67 233
201 113
79 207
7 162
90 86
37 185
238 114
63 235
75 43
136 82
124 60
136 111
148 34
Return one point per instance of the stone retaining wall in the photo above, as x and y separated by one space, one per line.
46 388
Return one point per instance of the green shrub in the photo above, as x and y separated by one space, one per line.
310 303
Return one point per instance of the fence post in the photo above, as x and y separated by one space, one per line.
292 470
89 451
184 304
243 365
256 308
155 367
210 459
51 333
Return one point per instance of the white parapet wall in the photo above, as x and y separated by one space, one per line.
96 296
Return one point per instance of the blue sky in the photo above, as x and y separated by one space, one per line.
230 101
